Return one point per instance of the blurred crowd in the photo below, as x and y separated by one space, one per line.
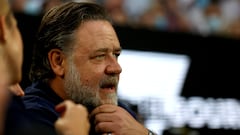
205 17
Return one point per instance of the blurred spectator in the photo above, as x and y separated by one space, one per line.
213 15
136 8
204 17
33 7
117 13
30 7
230 10
177 21
233 30
155 17
18 5
195 15
49 4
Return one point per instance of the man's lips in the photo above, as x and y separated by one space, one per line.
109 83
108 88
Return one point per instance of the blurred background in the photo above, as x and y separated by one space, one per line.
180 60
221 17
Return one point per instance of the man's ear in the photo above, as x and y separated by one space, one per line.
57 60
2 29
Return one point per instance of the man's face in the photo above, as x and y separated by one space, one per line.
92 74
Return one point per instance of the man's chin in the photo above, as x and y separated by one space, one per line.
94 101
110 99
91 102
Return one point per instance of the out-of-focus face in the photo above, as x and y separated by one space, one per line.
11 56
93 73
14 49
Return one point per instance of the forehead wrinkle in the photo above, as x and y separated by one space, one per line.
105 32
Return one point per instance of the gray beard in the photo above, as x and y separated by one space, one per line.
84 94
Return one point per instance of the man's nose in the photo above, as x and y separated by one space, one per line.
113 67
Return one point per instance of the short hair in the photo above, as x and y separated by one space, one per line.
57 30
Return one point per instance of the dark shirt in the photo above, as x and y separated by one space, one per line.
40 100
20 122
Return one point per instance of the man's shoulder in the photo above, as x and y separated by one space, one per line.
40 97
41 103
37 102
127 107
41 110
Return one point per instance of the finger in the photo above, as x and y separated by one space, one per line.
103 117
106 108
104 127
59 123
59 126
62 107
16 90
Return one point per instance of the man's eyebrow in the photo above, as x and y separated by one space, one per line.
118 49
101 50
107 49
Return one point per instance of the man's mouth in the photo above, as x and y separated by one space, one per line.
109 84
108 87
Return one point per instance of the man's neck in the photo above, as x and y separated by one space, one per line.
56 86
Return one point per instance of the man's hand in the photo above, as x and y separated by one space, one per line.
113 119
73 119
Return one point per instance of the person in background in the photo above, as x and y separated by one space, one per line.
18 6
233 29
76 58
116 11
48 4
214 18
11 58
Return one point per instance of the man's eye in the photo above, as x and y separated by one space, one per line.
116 55
100 56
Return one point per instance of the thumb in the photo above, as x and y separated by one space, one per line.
62 107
